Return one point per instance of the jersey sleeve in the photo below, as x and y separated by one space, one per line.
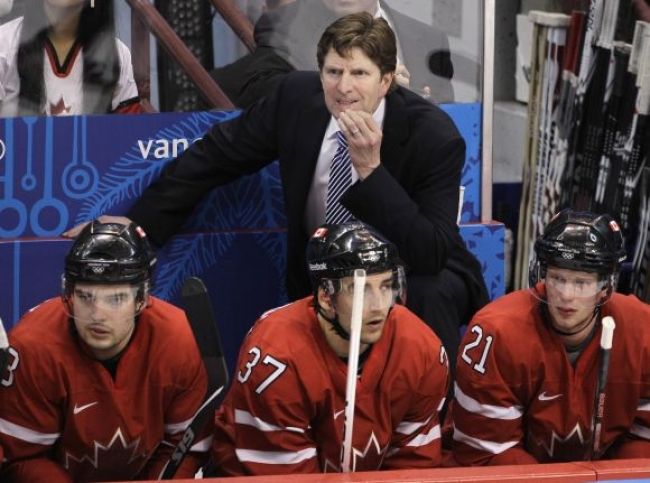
263 426
30 413
189 386
487 414
416 441
125 97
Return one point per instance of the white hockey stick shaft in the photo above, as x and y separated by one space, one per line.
353 366
4 345
4 341
606 339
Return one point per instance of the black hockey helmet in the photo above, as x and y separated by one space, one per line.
582 241
335 251
109 253
579 240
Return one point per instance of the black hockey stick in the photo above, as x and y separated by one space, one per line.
606 338
196 302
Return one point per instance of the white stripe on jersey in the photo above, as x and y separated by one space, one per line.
644 405
247 419
275 457
640 431
203 445
26 434
419 440
486 410
407 427
424 439
481 444
174 428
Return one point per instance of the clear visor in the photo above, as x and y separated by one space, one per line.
579 289
384 293
98 302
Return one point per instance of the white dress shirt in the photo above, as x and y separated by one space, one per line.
315 209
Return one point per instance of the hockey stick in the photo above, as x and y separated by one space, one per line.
353 366
198 308
606 338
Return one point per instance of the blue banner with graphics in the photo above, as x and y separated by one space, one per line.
58 171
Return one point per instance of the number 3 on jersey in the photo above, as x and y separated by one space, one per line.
480 365
12 364
256 353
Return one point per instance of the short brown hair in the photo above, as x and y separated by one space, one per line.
372 35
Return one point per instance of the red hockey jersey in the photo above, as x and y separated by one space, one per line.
518 398
59 404
284 411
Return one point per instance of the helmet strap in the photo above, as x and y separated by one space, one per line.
333 321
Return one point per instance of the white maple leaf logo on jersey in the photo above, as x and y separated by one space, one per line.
369 459
567 445
111 458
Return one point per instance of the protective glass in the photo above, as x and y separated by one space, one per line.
581 287
92 302
387 293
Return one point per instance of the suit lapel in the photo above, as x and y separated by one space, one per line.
311 126
395 131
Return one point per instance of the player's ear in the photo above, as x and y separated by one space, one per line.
325 300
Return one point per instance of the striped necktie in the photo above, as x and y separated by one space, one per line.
339 181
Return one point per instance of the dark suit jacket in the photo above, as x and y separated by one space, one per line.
412 197
287 37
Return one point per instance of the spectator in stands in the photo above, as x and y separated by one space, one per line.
101 381
286 38
530 364
62 57
399 155
642 9
284 410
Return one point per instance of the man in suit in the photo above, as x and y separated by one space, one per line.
406 157
286 38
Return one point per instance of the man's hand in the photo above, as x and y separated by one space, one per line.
364 140
74 231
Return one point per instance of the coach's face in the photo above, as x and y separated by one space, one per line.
346 7
353 82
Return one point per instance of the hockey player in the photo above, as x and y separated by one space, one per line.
62 58
528 367
102 381
284 411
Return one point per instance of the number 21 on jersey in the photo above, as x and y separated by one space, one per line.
256 354
476 358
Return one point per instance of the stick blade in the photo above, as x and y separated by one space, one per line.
198 308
